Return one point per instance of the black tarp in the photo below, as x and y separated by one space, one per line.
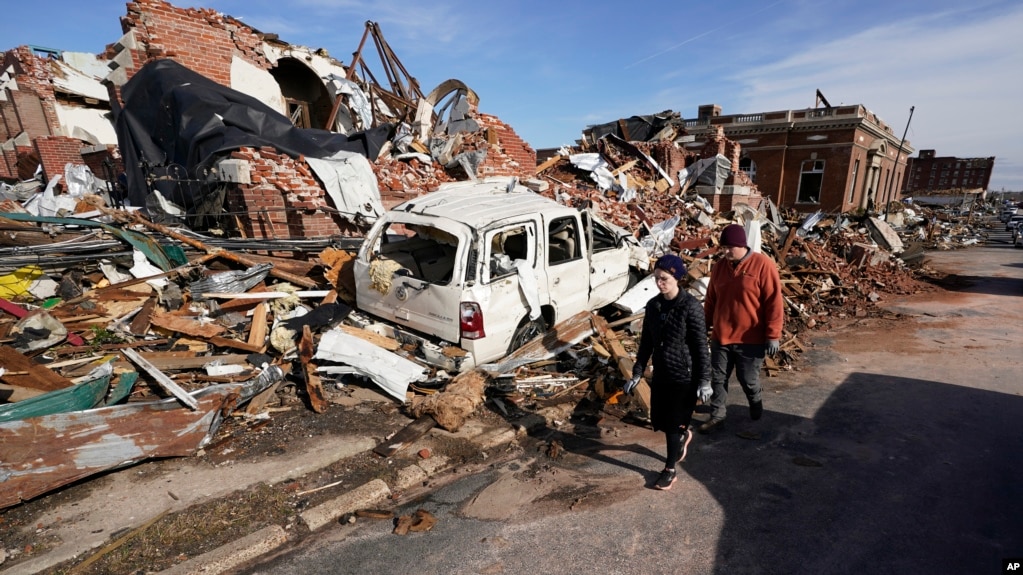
639 128
173 116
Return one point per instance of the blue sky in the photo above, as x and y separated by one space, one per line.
549 69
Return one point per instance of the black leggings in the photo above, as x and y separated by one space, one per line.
674 439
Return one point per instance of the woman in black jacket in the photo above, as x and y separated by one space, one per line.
675 336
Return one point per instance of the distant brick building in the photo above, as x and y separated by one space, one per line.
834 159
928 173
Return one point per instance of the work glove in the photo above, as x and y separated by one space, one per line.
772 347
704 392
630 385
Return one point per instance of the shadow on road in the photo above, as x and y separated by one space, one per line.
892 475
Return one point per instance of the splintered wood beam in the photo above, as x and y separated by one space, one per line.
405 436
313 385
791 237
610 338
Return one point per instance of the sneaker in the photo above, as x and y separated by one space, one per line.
666 480
687 436
711 424
756 410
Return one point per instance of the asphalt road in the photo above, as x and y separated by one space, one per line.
898 448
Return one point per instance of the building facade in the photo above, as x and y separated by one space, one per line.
928 173
832 158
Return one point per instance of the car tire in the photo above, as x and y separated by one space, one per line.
526 331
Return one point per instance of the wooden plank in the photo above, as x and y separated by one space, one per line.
140 323
186 325
31 375
107 347
181 360
573 330
624 167
550 162
405 436
388 343
161 379
235 344
419 147
622 357
258 327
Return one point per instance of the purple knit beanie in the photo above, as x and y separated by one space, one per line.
733 235
671 264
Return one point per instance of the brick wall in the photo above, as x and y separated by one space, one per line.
283 200
8 120
511 155
55 152
95 161
34 100
200 39
31 114
9 163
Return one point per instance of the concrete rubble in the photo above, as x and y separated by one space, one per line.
253 272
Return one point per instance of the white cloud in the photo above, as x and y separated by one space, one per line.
962 75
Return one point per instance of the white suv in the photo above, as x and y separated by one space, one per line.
489 265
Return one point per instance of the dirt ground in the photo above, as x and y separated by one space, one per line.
292 427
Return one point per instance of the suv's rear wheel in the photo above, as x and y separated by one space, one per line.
526 331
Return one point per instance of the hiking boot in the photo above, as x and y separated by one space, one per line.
666 480
711 424
756 410
687 436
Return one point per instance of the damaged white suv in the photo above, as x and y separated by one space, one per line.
489 265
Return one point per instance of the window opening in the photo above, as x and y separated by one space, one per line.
811 179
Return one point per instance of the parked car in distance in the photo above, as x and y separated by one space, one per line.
1006 214
1013 222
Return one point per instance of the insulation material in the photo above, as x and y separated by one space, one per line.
380 273
456 403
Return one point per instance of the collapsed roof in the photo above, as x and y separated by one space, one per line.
174 116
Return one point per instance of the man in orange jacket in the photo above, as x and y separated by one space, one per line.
745 314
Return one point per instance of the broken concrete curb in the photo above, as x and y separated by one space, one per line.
366 495
233 554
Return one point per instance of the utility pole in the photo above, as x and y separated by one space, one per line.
898 154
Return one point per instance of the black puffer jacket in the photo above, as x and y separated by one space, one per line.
675 337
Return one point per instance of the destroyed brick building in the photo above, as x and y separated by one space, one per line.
830 158
58 110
